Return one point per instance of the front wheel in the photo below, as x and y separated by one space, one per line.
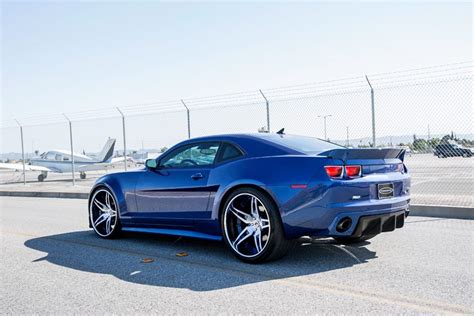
104 213
252 228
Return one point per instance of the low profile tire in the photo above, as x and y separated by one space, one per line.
104 214
352 240
41 177
252 227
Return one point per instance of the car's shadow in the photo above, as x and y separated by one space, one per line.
206 266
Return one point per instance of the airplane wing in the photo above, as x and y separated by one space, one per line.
19 167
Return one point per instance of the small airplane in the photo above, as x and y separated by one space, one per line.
59 161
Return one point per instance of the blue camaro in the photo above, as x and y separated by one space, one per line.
257 192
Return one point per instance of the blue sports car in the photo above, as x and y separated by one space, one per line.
257 192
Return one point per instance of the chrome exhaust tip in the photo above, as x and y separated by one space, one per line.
344 224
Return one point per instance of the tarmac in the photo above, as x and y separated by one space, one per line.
52 263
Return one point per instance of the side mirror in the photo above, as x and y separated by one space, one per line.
151 163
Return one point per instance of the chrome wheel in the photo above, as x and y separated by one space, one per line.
247 225
103 213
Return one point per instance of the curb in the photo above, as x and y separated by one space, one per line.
457 212
415 210
58 195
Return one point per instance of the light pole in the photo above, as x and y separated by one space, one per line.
347 136
189 118
267 104
22 152
372 102
325 130
72 149
124 139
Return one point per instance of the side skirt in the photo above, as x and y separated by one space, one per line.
174 232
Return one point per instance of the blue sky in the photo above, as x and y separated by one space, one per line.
66 56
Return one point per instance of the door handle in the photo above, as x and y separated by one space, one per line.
197 176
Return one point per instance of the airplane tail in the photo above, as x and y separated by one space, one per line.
108 150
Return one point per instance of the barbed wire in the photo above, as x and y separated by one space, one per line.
355 84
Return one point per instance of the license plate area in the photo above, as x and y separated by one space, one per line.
385 191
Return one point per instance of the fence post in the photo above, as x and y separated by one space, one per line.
267 103
124 139
72 149
189 118
325 130
22 151
373 111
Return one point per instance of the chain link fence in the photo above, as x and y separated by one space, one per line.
428 111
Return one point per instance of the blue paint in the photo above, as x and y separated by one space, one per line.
173 232
179 205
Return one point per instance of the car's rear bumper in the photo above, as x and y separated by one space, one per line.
365 217
375 224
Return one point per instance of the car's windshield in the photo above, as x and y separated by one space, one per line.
304 144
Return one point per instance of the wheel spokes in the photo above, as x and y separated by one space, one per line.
257 237
244 234
107 225
245 225
107 200
239 214
101 219
254 208
101 206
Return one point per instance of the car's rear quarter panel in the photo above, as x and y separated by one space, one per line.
312 210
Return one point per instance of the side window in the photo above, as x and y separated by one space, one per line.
229 152
202 154
50 156
58 157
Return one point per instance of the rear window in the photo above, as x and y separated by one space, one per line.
304 144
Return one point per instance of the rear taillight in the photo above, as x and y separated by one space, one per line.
353 171
334 171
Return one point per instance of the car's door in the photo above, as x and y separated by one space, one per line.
178 188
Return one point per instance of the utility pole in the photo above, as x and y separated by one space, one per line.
347 136
372 98
325 130
72 149
267 103
22 152
189 119
124 139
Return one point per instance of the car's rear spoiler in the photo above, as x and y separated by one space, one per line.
353 154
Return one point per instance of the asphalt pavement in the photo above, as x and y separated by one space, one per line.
51 262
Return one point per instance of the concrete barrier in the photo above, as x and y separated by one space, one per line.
59 195
442 211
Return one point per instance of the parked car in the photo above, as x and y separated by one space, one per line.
257 192
452 150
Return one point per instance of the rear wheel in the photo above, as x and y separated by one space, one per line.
352 240
104 213
252 228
